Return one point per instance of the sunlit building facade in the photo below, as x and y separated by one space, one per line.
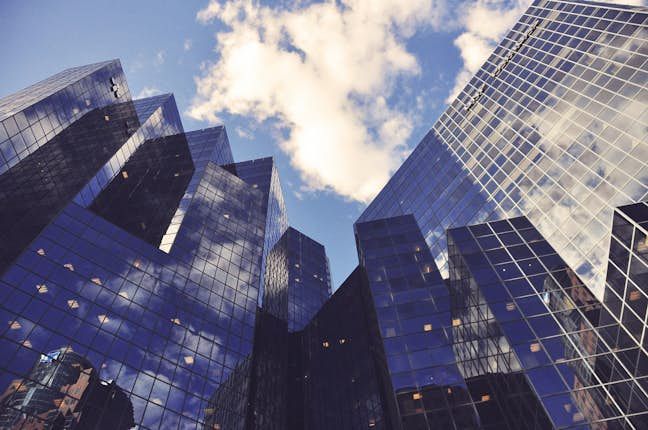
552 127
147 280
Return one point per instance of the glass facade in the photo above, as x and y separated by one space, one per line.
262 174
297 279
553 127
149 281
130 292
33 116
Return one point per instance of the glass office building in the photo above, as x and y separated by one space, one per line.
148 280
132 260
552 127
298 280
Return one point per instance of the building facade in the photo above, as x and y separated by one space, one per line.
552 127
148 280
132 259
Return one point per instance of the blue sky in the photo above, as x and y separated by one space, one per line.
337 92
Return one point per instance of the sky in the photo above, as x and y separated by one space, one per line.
338 92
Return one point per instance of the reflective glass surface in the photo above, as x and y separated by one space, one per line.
262 174
297 279
34 115
530 313
553 127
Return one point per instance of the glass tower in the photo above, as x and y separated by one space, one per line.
552 127
132 256
297 279
150 281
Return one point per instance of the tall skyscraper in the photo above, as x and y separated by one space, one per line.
132 257
552 127
147 279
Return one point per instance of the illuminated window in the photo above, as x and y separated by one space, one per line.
296 279
176 174
427 327
449 390
96 281
578 416
427 269
485 398
417 248
73 304
189 359
125 174
87 102
417 396
69 266
137 263
175 321
226 216
27 343
41 251
297 265
103 318
42 288
123 294
456 322
372 423
510 306
15 325
106 117
535 347
342 341
325 344
635 295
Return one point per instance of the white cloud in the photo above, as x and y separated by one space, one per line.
244 133
324 72
148 92
160 57
187 44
